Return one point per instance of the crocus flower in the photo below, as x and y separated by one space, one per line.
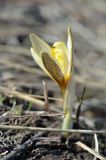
56 61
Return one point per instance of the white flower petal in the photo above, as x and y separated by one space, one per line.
70 47
38 59
39 45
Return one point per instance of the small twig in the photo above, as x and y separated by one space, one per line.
96 145
31 114
46 97
52 129
79 107
90 150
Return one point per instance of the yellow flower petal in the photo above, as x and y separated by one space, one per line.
39 45
60 53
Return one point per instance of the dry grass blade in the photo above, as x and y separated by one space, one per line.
34 96
5 90
90 150
25 97
51 129
28 98
96 145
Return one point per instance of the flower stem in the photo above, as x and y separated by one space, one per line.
69 100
